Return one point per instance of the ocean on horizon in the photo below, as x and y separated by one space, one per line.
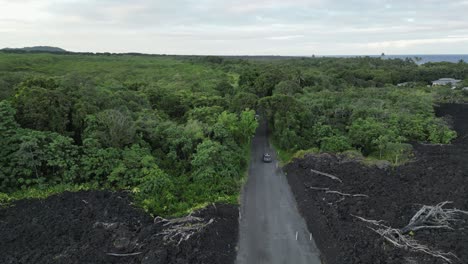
454 58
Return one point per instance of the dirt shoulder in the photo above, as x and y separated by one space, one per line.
84 227
439 173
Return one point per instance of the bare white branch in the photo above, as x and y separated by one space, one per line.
327 190
428 217
433 217
347 194
399 240
124 255
326 175
319 189
181 229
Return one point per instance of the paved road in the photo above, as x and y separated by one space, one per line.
270 220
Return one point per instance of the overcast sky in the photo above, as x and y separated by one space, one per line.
262 27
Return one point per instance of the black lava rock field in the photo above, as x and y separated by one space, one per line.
438 173
104 227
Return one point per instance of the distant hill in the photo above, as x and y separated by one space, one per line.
37 49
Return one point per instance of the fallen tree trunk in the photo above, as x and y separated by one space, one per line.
181 229
326 175
428 217
433 217
327 190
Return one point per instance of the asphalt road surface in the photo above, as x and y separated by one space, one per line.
271 229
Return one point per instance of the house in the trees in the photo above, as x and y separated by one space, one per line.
446 81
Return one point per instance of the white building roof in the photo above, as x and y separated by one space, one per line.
445 81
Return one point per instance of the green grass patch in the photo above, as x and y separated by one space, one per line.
395 158
300 154
378 159
42 192
285 156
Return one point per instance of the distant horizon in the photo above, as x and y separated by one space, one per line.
260 27
249 55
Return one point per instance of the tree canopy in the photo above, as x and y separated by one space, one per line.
176 131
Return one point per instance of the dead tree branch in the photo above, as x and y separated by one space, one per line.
181 229
175 221
319 189
428 217
399 240
124 255
433 217
348 194
327 190
327 175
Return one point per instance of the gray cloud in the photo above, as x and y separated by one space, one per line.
294 27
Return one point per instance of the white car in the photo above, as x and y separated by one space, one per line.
267 158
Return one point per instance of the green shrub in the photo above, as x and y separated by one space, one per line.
155 192
440 133
335 144
397 153
301 153
352 155
96 163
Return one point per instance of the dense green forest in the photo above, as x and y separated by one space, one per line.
176 131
